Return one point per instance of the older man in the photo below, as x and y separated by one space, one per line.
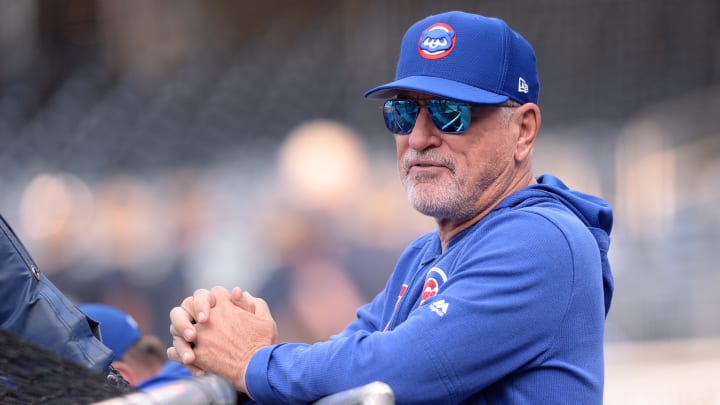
504 304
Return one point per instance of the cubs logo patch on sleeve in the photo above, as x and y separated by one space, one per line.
434 279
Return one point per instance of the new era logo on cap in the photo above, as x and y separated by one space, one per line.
523 86
466 57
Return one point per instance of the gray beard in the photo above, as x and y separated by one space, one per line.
442 203
447 201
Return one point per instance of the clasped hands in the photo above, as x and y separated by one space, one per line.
217 331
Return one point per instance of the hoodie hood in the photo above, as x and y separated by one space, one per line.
593 211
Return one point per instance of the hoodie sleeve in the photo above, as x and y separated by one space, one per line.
501 310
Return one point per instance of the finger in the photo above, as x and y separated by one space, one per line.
188 306
181 324
196 372
202 301
242 299
219 291
182 351
173 355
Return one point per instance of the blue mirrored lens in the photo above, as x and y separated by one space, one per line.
400 115
448 116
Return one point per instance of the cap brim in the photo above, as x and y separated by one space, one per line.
439 87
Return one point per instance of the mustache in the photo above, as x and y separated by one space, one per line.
413 156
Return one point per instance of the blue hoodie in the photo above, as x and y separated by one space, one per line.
512 312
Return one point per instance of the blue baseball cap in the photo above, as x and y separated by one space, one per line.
118 330
465 57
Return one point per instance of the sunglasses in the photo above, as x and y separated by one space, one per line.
449 116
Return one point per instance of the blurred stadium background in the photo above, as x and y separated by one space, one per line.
153 147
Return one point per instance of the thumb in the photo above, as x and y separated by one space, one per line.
242 299
262 309
263 315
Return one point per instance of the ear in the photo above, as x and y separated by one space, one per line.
528 120
126 371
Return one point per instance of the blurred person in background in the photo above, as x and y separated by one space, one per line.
505 303
121 241
140 358
312 293
312 287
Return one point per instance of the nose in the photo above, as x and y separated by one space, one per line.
424 134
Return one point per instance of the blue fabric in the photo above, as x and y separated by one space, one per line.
171 372
35 310
513 312
118 330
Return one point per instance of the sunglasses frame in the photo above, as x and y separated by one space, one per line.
444 112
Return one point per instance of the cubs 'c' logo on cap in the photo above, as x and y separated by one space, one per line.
437 41
434 279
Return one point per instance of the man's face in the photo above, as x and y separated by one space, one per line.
456 176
